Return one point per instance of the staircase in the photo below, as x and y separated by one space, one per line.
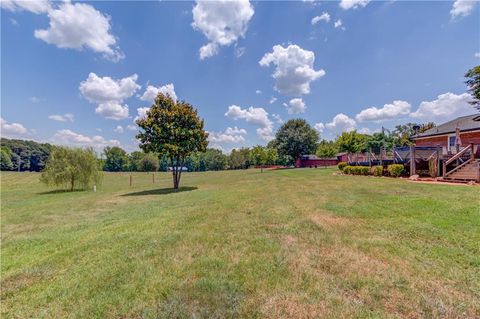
469 171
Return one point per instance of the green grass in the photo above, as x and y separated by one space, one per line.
280 244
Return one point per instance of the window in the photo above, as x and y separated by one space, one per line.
451 142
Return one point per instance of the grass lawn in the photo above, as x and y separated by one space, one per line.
298 243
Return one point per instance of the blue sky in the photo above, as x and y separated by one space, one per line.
79 73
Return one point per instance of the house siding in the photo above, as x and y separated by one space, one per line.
466 137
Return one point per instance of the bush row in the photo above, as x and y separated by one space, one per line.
394 170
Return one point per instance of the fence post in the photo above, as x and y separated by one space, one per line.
130 180
153 177
472 154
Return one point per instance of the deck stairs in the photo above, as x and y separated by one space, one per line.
469 171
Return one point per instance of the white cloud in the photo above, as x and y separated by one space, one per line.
37 6
231 135
151 92
319 127
462 8
353 4
14 22
132 127
477 55
293 69
277 118
109 94
13 130
323 17
112 110
272 100
118 129
339 24
446 107
258 92
67 117
387 112
341 123
142 113
253 115
70 138
78 26
296 106
222 22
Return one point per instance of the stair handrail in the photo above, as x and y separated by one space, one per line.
456 156
459 166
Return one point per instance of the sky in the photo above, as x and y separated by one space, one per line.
81 73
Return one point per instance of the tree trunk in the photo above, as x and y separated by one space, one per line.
72 183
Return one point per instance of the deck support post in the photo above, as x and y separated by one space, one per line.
438 160
412 160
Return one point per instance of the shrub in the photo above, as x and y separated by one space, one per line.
395 170
377 170
341 165
348 169
362 170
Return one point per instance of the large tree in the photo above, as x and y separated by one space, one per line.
327 149
473 83
116 159
72 167
149 163
294 138
352 142
172 128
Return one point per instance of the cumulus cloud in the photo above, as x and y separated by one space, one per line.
296 106
444 108
12 130
132 127
253 115
272 100
67 117
37 6
258 92
118 129
341 123
323 17
294 69
141 113
222 22
319 127
151 92
387 112
34 99
462 8
477 55
230 135
70 138
109 94
78 26
353 4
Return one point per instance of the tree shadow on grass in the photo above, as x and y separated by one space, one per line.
162 191
61 191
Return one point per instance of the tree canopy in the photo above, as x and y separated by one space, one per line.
70 168
296 137
116 159
173 129
473 83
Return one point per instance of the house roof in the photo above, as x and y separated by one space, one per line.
464 123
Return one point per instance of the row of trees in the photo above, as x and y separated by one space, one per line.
20 155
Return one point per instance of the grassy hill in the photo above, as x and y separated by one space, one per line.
292 243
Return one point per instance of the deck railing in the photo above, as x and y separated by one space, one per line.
457 157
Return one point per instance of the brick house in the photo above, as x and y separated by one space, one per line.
444 135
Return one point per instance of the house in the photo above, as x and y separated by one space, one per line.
444 135
459 140
314 161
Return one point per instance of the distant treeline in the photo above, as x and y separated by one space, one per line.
23 155
32 156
